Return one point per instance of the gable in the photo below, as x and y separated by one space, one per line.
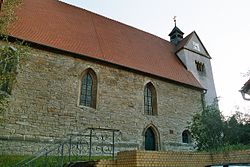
194 44
71 29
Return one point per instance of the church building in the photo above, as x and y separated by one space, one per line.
86 70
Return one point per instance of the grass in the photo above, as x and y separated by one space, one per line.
10 160
51 161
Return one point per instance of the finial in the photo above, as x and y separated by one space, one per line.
174 21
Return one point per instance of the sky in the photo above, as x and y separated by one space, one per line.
222 25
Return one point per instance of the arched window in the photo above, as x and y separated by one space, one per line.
150 104
186 136
88 89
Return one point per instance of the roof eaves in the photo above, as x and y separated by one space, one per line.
81 56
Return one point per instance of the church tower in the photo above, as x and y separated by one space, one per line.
196 59
176 35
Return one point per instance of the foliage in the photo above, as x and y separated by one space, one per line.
207 128
10 160
10 57
237 129
212 132
7 14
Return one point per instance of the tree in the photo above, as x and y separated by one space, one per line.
212 132
9 56
207 128
239 125
232 131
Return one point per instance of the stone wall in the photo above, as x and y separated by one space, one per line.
44 105
175 159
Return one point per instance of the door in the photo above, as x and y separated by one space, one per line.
150 140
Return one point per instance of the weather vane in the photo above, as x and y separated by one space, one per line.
175 20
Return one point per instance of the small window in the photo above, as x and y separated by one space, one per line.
88 89
150 105
186 137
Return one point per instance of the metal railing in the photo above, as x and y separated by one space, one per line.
90 144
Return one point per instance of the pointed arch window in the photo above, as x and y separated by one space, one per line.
88 89
150 105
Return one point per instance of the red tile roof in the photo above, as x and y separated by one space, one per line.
59 25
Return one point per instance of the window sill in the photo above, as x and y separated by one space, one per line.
86 108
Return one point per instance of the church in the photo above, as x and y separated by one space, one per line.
85 70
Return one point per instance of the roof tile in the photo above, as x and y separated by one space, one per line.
59 25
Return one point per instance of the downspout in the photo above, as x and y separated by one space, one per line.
244 95
203 99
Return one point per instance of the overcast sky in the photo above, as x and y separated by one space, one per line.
222 25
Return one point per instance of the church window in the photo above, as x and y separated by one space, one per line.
186 137
150 100
88 89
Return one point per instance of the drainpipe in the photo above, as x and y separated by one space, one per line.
203 98
244 95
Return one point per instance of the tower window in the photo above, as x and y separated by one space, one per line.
200 66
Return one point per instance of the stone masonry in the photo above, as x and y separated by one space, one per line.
44 104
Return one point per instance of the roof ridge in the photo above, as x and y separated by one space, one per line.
119 22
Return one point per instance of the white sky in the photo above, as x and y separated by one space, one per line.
222 25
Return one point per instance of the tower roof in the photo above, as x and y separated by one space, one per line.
176 30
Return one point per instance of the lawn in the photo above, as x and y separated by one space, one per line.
51 161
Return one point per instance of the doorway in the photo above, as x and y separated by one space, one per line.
150 142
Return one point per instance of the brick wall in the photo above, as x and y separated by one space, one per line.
175 159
